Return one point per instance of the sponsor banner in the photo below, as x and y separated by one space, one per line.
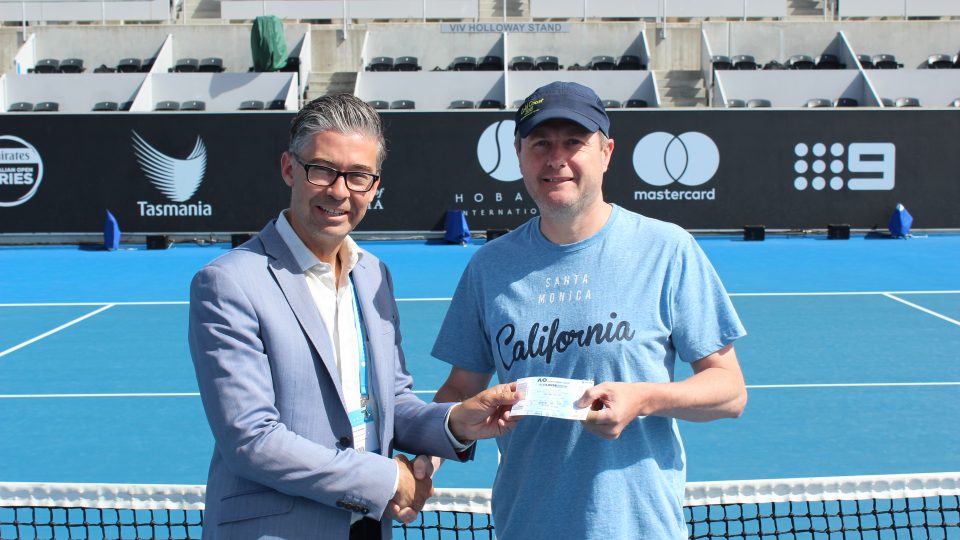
699 169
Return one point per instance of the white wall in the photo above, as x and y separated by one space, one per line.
76 93
222 92
792 89
933 87
432 90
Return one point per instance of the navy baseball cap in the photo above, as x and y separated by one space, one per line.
564 101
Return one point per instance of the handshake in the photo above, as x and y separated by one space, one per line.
483 416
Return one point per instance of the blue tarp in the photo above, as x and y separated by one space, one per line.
111 233
900 222
457 231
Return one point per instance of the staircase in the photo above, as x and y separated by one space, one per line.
681 88
200 11
805 9
493 9
322 83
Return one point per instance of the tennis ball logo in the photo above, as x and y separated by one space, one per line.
661 158
496 153
21 170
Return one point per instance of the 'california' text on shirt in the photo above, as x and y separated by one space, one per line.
545 340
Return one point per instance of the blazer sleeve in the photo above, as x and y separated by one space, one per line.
236 387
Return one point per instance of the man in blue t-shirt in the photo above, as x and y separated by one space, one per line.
589 290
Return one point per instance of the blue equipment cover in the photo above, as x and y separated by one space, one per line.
900 222
457 231
111 233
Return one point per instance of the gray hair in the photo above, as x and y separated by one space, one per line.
343 113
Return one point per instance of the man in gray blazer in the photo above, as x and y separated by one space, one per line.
295 339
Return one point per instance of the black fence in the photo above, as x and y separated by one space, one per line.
705 170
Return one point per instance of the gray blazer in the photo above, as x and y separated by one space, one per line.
283 466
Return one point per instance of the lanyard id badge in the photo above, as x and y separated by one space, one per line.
362 421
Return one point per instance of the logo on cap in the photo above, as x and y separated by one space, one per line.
529 108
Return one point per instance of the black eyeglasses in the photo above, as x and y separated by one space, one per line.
323 176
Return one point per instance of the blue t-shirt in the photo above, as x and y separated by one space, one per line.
618 306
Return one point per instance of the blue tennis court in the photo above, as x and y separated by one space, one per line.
851 359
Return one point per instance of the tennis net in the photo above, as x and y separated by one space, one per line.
920 506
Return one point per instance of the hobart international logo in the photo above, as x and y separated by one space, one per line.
178 179
498 159
21 170
496 152
689 159
858 166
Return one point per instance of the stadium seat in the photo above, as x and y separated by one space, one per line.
846 102
251 105
490 63
463 63
461 104
939 61
147 64
406 63
102 106
379 104
611 104
602 63
773 65
489 104
547 63
886 102
956 61
292 65
193 105
21 106
71 65
167 106
186 65
211 65
125 106
47 65
865 61
955 103
129 65
521 63
735 103
103 68
403 104
759 103
381 63
630 62
636 104
744 62
46 106
277 105
800 61
885 61
907 102
721 62
829 61
818 103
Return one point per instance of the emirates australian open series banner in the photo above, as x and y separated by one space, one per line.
704 170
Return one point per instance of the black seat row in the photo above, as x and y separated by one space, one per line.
52 65
756 103
482 104
191 105
469 63
400 104
43 106
386 63
192 65
797 61
257 105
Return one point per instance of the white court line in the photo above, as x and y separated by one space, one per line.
197 394
923 309
447 299
54 331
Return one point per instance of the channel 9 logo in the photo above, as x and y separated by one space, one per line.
817 168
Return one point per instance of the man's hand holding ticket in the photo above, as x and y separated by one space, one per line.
551 396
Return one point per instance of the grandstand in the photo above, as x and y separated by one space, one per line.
728 73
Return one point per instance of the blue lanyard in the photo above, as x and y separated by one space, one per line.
358 324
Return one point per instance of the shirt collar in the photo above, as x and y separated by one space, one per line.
349 253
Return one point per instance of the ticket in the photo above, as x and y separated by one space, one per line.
551 396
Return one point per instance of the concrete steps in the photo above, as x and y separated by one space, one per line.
681 88
805 9
493 9
322 83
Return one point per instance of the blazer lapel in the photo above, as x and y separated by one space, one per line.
293 284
